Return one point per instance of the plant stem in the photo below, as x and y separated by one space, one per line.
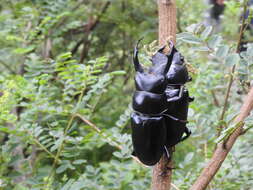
109 140
64 136
45 149
224 148
231 78
60 149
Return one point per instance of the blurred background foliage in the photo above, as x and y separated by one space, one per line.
65 90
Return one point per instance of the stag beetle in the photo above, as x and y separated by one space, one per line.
160 105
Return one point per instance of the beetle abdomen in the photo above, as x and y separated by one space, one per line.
149 136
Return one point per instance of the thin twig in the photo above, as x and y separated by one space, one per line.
98 130
45 149
59 150
7 67
224 148
221 153
75 48
231 78
103 135
91 26
215 100
174 186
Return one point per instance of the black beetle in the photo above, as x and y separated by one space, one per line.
160 105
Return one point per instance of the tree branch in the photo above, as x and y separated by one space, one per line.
162 171
220 153
224 148
231 78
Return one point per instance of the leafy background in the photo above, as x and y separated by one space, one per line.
66 83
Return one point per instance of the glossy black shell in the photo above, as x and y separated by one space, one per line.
145 130
150 82
149 103
177 73
160 63
176 129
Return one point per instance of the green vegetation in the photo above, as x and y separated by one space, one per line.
66 83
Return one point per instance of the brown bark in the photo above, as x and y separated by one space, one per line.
162 171
167 20
221 151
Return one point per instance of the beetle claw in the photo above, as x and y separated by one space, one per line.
191 99
188 133
166 171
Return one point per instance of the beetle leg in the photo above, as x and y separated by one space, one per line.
191 99
164 173
136 62
167 152
173 99
188 133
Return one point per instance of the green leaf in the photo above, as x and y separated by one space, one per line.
67 186
77 162
188 157
232 59
24 50
204 35
189 38
222 51
194 28
128 177
57 144
116 73
214 41
79 185
118 154
64 56
201 48
62 168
